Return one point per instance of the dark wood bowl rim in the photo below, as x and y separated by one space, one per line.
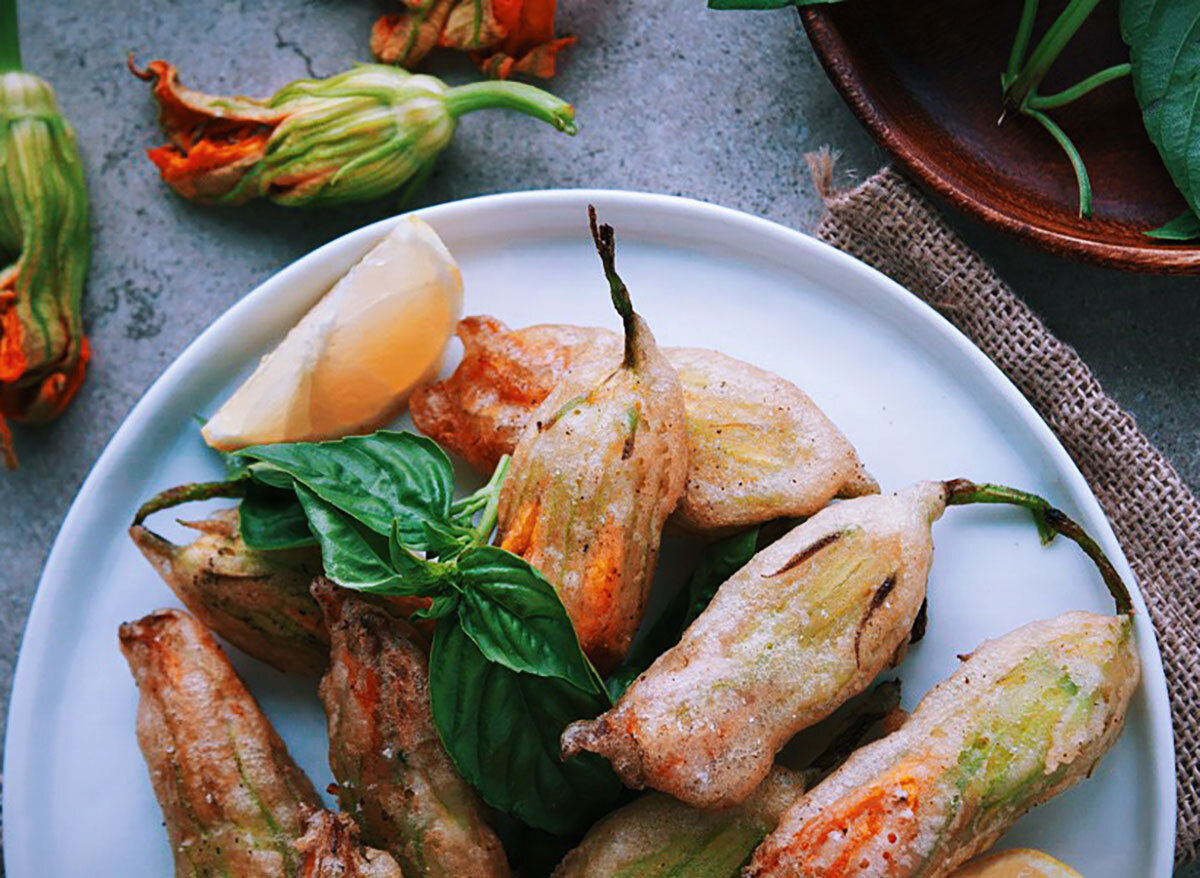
830 50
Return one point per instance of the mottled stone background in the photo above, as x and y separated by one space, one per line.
671 98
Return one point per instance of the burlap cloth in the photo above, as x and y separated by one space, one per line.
888 224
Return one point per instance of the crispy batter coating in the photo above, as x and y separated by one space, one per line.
804 626
258 601
759 447
480 410
594 477
393 774
1025 717
657 836
331 849
232 798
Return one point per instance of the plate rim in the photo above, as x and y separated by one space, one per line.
830 48
36 642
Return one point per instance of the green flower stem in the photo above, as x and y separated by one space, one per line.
1050 521
1081 174
10 37
1020 89
527 99
487 522
606 246
1049 102
189 494
1021 44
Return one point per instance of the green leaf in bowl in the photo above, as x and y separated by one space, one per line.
1164 51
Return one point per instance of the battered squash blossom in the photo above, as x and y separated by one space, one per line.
594 477
44 251
1025 717
351 137
503 36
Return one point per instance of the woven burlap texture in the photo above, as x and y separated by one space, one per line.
888 224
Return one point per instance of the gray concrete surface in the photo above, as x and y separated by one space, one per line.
671 97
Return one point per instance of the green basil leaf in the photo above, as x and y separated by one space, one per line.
351 555
446 541
516 619
1185 227
502 728
273 519
719 561
235 467
1134 16
409 566
376 479
439 607
1164 52
269 475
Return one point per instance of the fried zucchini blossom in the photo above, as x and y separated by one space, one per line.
44 250
758 447
658 835
1025 717
803 627
393 774
350 137
258 601
594 477
331 848
503 36
234 801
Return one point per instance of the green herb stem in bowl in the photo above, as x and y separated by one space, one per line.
1164 64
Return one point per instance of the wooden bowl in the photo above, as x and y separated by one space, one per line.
924 77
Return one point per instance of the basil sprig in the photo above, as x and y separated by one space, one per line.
506 670
501 728
376 480
272 518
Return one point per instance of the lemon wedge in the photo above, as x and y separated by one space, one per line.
352 361
1016 863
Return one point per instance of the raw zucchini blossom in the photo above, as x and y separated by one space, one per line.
44 251
504 36
351 137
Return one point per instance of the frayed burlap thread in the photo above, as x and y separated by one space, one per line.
888 224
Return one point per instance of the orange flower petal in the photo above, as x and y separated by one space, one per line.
539 61
507 36
527 23
211 168
405 38
7 453
55 392
13 362
214 141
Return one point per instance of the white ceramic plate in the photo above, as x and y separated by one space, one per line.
913 394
